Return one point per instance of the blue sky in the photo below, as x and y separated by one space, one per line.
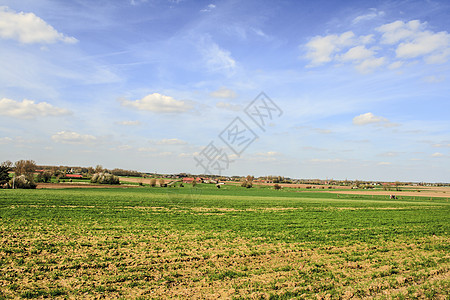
363 86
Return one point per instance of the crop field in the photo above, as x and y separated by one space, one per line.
230 243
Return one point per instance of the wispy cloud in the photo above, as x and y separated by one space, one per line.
27 109
174 141
437 154
224 92
266 156
5 140
326 160
373 14
216 58
442 145
137 2
434 79
71 137
147 149
208 8
122 148
28 28
229 106
389 154
129 123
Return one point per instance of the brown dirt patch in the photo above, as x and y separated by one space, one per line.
430 194
76 185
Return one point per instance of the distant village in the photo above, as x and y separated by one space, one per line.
68 172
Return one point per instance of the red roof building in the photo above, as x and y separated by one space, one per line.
74 176
191 179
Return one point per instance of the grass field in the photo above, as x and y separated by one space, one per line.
231 242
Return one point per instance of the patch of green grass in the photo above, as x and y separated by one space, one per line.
241 243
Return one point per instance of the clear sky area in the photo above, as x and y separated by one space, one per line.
352 89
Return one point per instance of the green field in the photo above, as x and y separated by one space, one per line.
231 242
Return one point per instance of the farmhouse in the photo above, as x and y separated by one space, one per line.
191 179
74 176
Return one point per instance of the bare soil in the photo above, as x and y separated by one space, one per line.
76 185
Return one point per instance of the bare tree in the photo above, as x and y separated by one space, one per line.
99 169
25 167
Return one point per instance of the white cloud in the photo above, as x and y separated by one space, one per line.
5 140
229 106
209 8
395 65
169 142
158 103
367 39
122 148
396 40
384 163
389 154
325 160
397 31
357 53
147 149
137 2
265 156
71 137
367 17
437 154
370 118
28 109
160 154
268 154
216 58
224 92
321 48
322 131
364 58
414 41
434 79
29 28
370 64
260 33
129 123
434 46
441 145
